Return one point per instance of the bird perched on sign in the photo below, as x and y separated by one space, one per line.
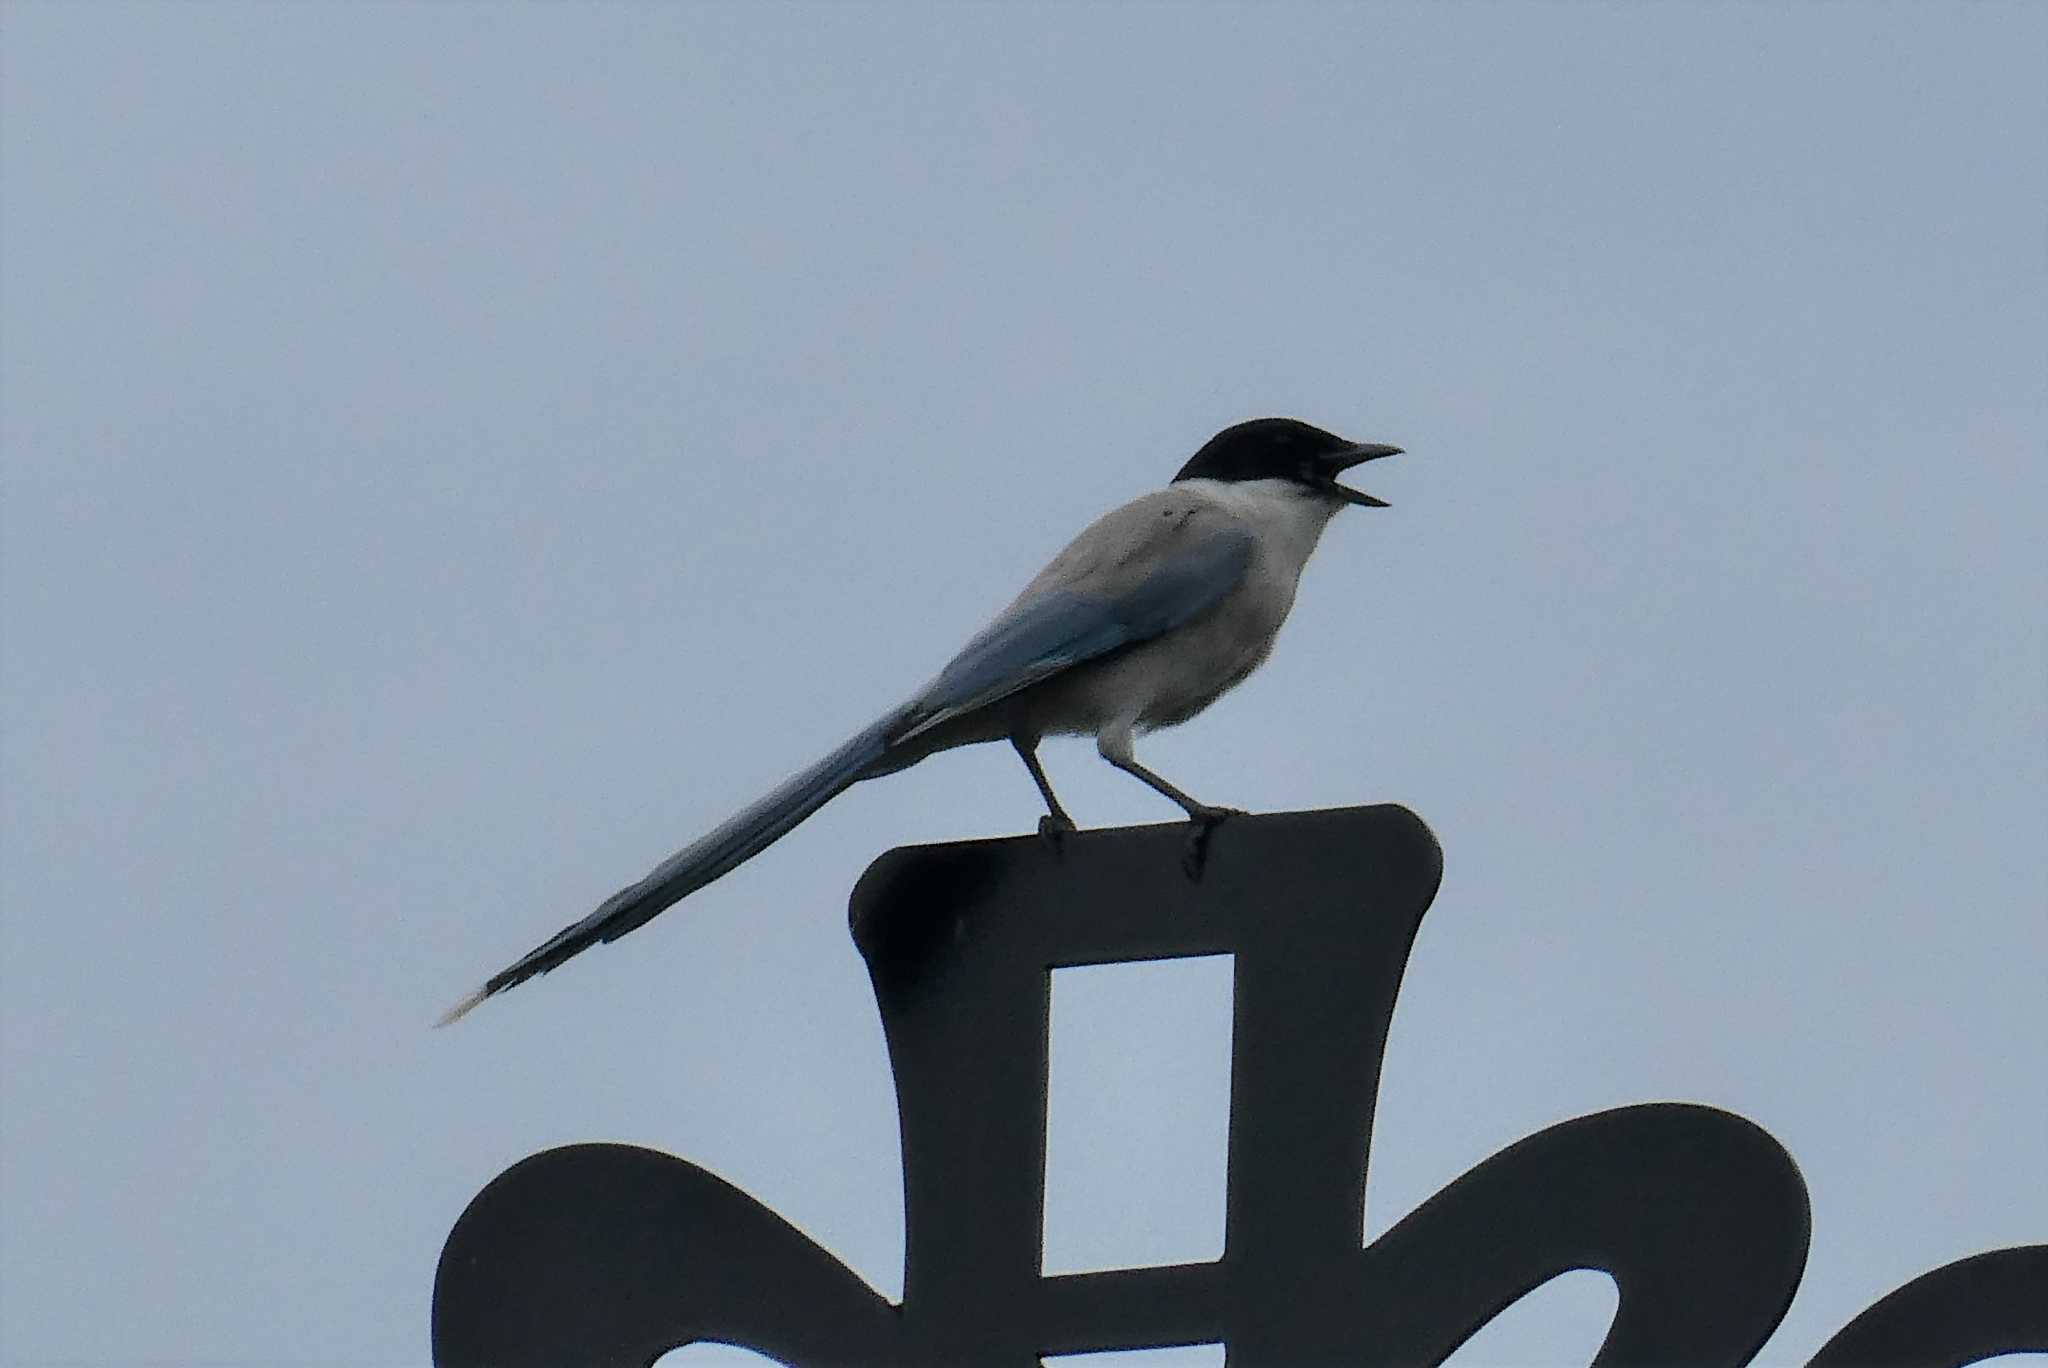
1146 618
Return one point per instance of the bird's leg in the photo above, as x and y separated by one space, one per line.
1115 747
1055 824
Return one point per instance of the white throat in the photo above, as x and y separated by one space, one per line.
1286 518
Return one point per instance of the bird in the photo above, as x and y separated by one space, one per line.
1151 614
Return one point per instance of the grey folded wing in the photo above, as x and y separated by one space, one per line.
1135 575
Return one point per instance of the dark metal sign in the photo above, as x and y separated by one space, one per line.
613 1254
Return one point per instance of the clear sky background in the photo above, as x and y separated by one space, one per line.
456 453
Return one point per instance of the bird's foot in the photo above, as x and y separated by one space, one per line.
1054 828
1202 821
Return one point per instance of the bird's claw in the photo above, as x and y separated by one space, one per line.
1054 830
1201 822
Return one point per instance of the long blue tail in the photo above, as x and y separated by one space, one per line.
741 837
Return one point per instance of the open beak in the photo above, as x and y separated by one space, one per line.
1358 453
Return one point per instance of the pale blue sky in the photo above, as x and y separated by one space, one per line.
456 453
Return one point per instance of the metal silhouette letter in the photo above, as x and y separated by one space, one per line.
611 1254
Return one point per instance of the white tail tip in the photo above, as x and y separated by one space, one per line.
461 1009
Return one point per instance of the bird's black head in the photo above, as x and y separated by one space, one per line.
1285 449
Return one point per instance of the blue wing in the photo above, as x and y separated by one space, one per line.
1059 628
